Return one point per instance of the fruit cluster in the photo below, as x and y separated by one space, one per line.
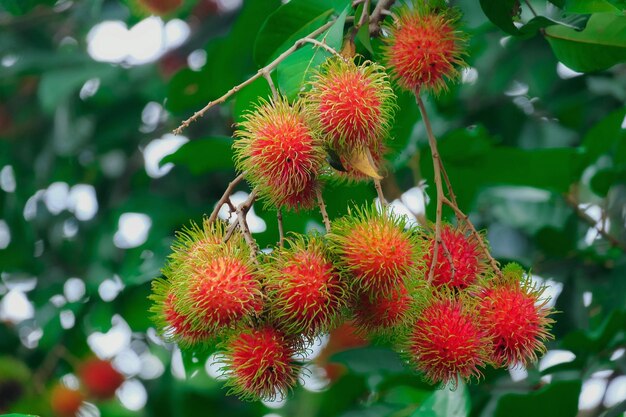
437 297
99 382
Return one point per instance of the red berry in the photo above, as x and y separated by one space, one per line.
280 154
260 364
468 261
424 48
65 401
100 378
374 250
305 291
516 317
446 342
353 104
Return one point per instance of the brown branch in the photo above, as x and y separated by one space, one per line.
378 15
379 191
241 211
613 241
481 242
446 179
322 205
225 199
281 232
437 176
322 45
270 82
267 69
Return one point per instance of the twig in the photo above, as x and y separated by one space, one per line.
267 69
323 46
281 232
448 256
447 182
532 10
437 176
378 15
613 241
364 15
242 210
320 202
481 242
225 197
270 82
379 191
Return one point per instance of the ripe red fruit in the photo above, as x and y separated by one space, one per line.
516 316
280 153
353 104
468 261
375 252
65 401
382 314
446 342
424 48
100 378
306 294
260 364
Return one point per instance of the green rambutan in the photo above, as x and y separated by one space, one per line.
352 104
280 153
447 342
516 316
260 364
376 251
305 292
424 48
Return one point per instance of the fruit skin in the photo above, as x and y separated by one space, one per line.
259 364
468 261
280 153
446 342
352 104
305 291
374 250
384 315
516 316
65 401
100 378
424 47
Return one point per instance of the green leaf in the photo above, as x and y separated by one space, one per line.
204 155
501 13
599 46
446 402
595 340
297 69
592 6
558 399
18 415
369 360
605 137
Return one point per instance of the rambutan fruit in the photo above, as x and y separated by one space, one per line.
100 378
65 401
280 153
352 104
516 316
384 313
447 342
468 261
375 250
260 364
305 292
424 48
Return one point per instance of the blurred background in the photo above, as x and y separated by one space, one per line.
93 185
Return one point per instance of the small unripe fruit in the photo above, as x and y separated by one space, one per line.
446 342
468 261
280 154
260 364
516 316
375 252
424 47
100 378
306 294
353 104
65 401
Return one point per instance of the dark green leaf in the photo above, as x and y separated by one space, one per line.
204 155
558 399
594 340
370 360
599 46
591 6
446 402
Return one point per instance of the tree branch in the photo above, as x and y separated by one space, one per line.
281 232
322 205
226 196
378 15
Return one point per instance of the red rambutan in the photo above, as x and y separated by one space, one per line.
516 316
280 153
100 378
305 292
65 401
424 47
382 314
375 251
353 104
260 364
447 342
468 261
